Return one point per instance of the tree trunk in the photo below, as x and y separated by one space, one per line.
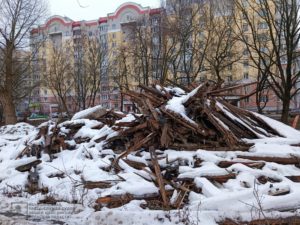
8 108
285 110
122 101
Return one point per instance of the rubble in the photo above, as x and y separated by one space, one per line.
179 145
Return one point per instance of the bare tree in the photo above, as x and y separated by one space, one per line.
121 73
90 63
222 51
273 40
190 24
17 17
57 74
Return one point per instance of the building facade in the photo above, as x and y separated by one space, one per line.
174 37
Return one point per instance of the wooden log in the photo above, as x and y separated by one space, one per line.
134 164
28 166
153 91
134 129
294 178
152 110
114 201
188 124
96 184
135 147
251 164
220 178
269 221
159 176
279 160
164 138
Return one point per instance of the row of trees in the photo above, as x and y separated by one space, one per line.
181 44
73 71
188 40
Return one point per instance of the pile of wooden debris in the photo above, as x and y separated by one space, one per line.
168 118
179 145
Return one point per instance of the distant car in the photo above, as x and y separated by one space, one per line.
59 115
35 116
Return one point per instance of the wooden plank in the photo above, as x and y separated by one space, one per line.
279 160
158 176
135 147
164 138
28 166
252 164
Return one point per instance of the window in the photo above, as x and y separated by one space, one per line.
245 3
262 25
264 98
245 52
104 97
247 100
246 64
90 33
229 78
262 37
76 32
246 75
114 26
245 27
113 35
263 49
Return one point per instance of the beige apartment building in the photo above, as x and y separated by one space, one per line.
114 32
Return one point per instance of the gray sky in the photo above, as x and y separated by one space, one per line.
92 9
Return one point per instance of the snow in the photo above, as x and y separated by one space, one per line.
176 104
281 128
65 174
82 114
128 118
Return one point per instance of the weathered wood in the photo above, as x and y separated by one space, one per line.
28 166
164 138
280 160
220 178
253 164
294 178
96 184
135 147
158 176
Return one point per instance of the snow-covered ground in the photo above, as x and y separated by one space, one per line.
242 198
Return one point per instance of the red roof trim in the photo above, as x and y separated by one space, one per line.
134 7
102 20
58 20
156 11
91 23
34 31
76 24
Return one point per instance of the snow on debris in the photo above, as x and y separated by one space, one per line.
84 113
85 172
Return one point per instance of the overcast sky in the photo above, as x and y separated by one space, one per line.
91 9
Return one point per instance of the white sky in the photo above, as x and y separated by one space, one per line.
92 9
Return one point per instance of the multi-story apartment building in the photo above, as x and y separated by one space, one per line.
164 33
108 30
